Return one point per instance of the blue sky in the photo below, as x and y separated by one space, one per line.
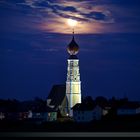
34 35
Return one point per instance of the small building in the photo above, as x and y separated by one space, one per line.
86 113
48 114
130 108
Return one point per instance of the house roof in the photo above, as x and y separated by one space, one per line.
104 105
46 109
130 105
73 47
57 95
84 107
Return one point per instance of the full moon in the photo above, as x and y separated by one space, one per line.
72 22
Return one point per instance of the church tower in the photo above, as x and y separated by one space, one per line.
73 83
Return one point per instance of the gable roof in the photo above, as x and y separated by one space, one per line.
84 107
46 109
57 95
130 105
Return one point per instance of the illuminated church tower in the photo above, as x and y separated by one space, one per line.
73 83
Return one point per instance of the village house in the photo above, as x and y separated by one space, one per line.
130 108
85 113
48 114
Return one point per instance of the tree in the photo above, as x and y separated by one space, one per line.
88 102
88 99
102 101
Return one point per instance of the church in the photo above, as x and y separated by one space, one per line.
65 97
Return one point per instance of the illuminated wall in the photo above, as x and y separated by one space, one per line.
73 84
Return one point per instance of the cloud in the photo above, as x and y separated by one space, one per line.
55 14
68 9
93 16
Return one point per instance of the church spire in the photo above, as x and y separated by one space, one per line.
73 47
73 83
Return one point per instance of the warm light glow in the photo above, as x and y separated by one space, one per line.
72 22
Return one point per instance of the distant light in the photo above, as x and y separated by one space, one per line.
2 116
49 114
72 22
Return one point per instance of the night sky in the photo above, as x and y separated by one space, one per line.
34 35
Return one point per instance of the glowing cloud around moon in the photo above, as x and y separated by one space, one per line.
72 22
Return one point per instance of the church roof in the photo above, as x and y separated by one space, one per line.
73 47
57 95
73 43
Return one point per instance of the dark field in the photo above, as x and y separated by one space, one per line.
119 125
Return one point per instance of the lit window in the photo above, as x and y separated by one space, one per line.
49 114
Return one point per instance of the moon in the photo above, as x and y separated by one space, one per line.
72 22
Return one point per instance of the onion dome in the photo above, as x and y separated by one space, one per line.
73 47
